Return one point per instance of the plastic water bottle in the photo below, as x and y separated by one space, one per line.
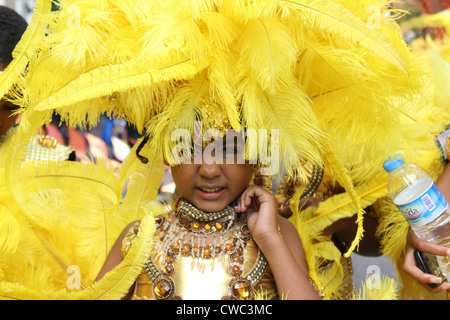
419 200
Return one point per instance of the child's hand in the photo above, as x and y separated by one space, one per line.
285 253
261 208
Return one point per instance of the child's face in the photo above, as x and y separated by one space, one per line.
211 187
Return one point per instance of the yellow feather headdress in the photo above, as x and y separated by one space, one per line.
335 78
263 62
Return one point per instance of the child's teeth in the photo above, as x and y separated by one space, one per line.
212 190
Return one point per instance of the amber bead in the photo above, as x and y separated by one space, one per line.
168 269
241 289
236 258
176 246
236 270
186 248
195 249
163 289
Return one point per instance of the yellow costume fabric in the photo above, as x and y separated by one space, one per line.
335 79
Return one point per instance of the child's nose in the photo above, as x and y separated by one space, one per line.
209 170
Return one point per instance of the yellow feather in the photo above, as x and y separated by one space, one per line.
342 206
63 209
113 285
222 80
274 112
116 283
339 170
173 30
267 54
97 83
9 238
330 17
383 289
71 176
143 184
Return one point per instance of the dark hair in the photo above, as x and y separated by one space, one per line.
12 27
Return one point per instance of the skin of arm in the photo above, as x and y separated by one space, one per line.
282 247
346 228
114 258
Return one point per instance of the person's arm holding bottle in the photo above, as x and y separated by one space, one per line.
414 243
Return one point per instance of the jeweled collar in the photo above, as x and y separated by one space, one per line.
197 220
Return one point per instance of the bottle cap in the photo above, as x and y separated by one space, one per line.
393 163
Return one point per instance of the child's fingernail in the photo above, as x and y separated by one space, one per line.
436 280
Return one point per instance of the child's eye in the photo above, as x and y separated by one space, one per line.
184 152
230 150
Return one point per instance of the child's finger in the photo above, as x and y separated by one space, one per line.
245 199
241 201
432 248
252 197
412 270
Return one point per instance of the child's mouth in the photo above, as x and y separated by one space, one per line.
211 193
210 189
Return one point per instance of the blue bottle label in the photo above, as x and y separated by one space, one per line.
425 208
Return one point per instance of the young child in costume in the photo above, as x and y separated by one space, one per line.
224 239
335 78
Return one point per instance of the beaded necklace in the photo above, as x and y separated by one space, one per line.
188 236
